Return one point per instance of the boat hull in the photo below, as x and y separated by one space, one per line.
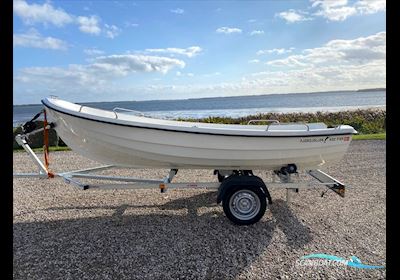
143 147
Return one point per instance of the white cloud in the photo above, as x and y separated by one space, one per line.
321 78
256 32
34 39
93 52
327 4
276 51
228 30
370 6
102 69
137 63
362 49
189 52
89 24
45 13
292 16
111 31
340 10
180 74
340 52
254 61
334 10
337 14
178 11
291 61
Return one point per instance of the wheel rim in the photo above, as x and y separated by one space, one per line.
244 204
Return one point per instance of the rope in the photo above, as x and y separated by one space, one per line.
46 146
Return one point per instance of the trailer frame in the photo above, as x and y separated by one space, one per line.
283 179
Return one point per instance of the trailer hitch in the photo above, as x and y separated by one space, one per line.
339 189
330 182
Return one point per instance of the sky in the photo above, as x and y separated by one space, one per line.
86 51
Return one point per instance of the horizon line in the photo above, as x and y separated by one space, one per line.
231 96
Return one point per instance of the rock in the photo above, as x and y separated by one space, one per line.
36 140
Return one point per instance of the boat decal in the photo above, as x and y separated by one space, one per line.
325 139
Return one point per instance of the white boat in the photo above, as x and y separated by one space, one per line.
123 139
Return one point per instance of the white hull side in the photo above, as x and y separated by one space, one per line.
151 148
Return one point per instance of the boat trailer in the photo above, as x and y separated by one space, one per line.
244 196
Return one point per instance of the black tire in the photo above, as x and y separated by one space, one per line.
246 189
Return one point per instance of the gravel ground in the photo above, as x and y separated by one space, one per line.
61 232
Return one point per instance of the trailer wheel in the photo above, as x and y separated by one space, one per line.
244 204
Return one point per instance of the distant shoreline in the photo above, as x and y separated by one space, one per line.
372 89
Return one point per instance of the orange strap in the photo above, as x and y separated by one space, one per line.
46 146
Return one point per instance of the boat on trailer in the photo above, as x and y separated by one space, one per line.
126 138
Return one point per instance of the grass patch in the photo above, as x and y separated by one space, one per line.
51 149
377 136
368 121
